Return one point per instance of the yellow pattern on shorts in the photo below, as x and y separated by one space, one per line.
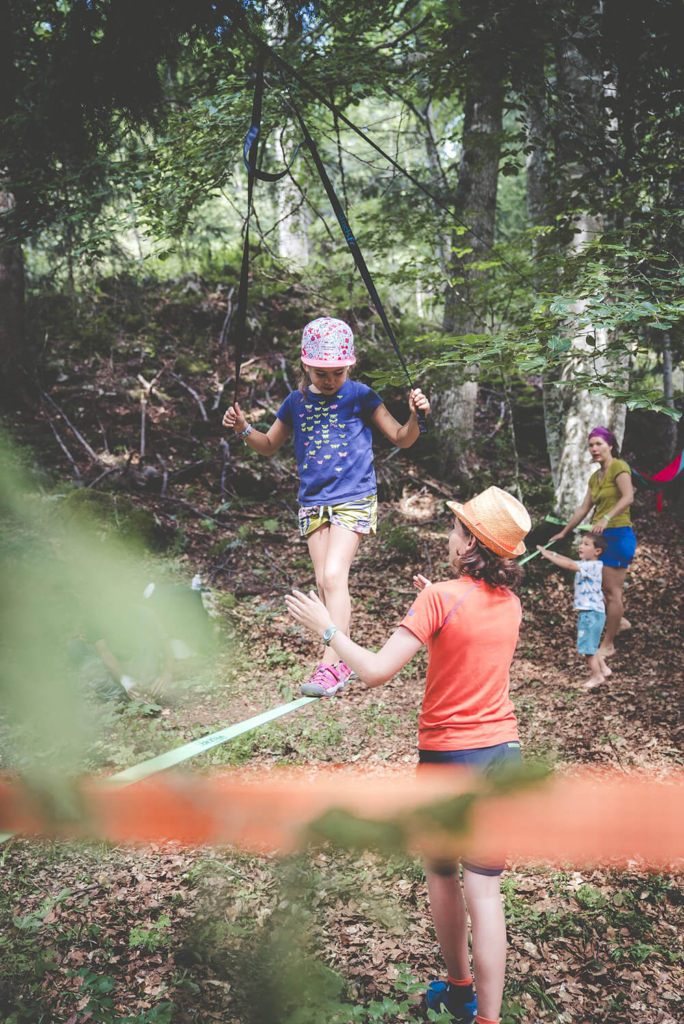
359 516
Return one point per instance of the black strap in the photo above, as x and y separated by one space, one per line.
238 17
254 130
350 239
253 151
250 156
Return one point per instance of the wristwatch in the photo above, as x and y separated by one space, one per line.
329 633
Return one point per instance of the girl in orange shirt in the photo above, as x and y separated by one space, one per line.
470 625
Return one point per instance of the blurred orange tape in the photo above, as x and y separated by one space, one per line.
585 818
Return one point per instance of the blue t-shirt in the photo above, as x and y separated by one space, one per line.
333 443
588 593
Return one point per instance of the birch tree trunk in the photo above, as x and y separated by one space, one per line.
293 214
453 404
668 396
572 414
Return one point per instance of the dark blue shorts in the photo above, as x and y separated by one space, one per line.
485 759
621 546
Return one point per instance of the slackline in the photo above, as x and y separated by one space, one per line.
559 522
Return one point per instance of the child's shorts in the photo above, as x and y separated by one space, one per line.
589 628
484 759
621 546
359 515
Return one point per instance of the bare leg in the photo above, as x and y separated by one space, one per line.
318 549
613 582
332 551
342 547
596 677
603 665
451 921
489 940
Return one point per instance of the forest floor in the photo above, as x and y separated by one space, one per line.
90 933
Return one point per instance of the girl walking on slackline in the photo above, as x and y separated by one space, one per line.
470 624
330 418
610 493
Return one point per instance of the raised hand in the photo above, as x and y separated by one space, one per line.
418 401
310 611
421 582
235 419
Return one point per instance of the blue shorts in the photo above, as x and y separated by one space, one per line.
621 546
485 759
589 628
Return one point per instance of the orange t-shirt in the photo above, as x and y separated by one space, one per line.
471 630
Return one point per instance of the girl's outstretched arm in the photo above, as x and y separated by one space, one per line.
373 669
264 444
402 436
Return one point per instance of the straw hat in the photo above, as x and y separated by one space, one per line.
497 519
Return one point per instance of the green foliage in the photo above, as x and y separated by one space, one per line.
152 938
96 987
607 281
401 542
114 516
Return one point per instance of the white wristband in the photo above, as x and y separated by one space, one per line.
247 431
128 683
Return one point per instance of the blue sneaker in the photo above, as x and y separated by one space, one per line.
458 1000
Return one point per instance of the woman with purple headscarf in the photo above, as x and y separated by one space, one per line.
610 494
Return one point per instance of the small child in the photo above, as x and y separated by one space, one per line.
589 601
330 419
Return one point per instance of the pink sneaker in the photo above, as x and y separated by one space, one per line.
325 682
344 672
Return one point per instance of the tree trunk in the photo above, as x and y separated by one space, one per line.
293 213
668 396
540 215
454 404
571 414
11 256
11 302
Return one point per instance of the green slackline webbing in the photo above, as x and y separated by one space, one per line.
559 522
533 554
200 746
179 754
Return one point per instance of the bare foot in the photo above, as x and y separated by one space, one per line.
592 682
607 672
625 624
606 652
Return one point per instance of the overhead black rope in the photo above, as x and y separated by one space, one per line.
241 21
349 237
250 155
